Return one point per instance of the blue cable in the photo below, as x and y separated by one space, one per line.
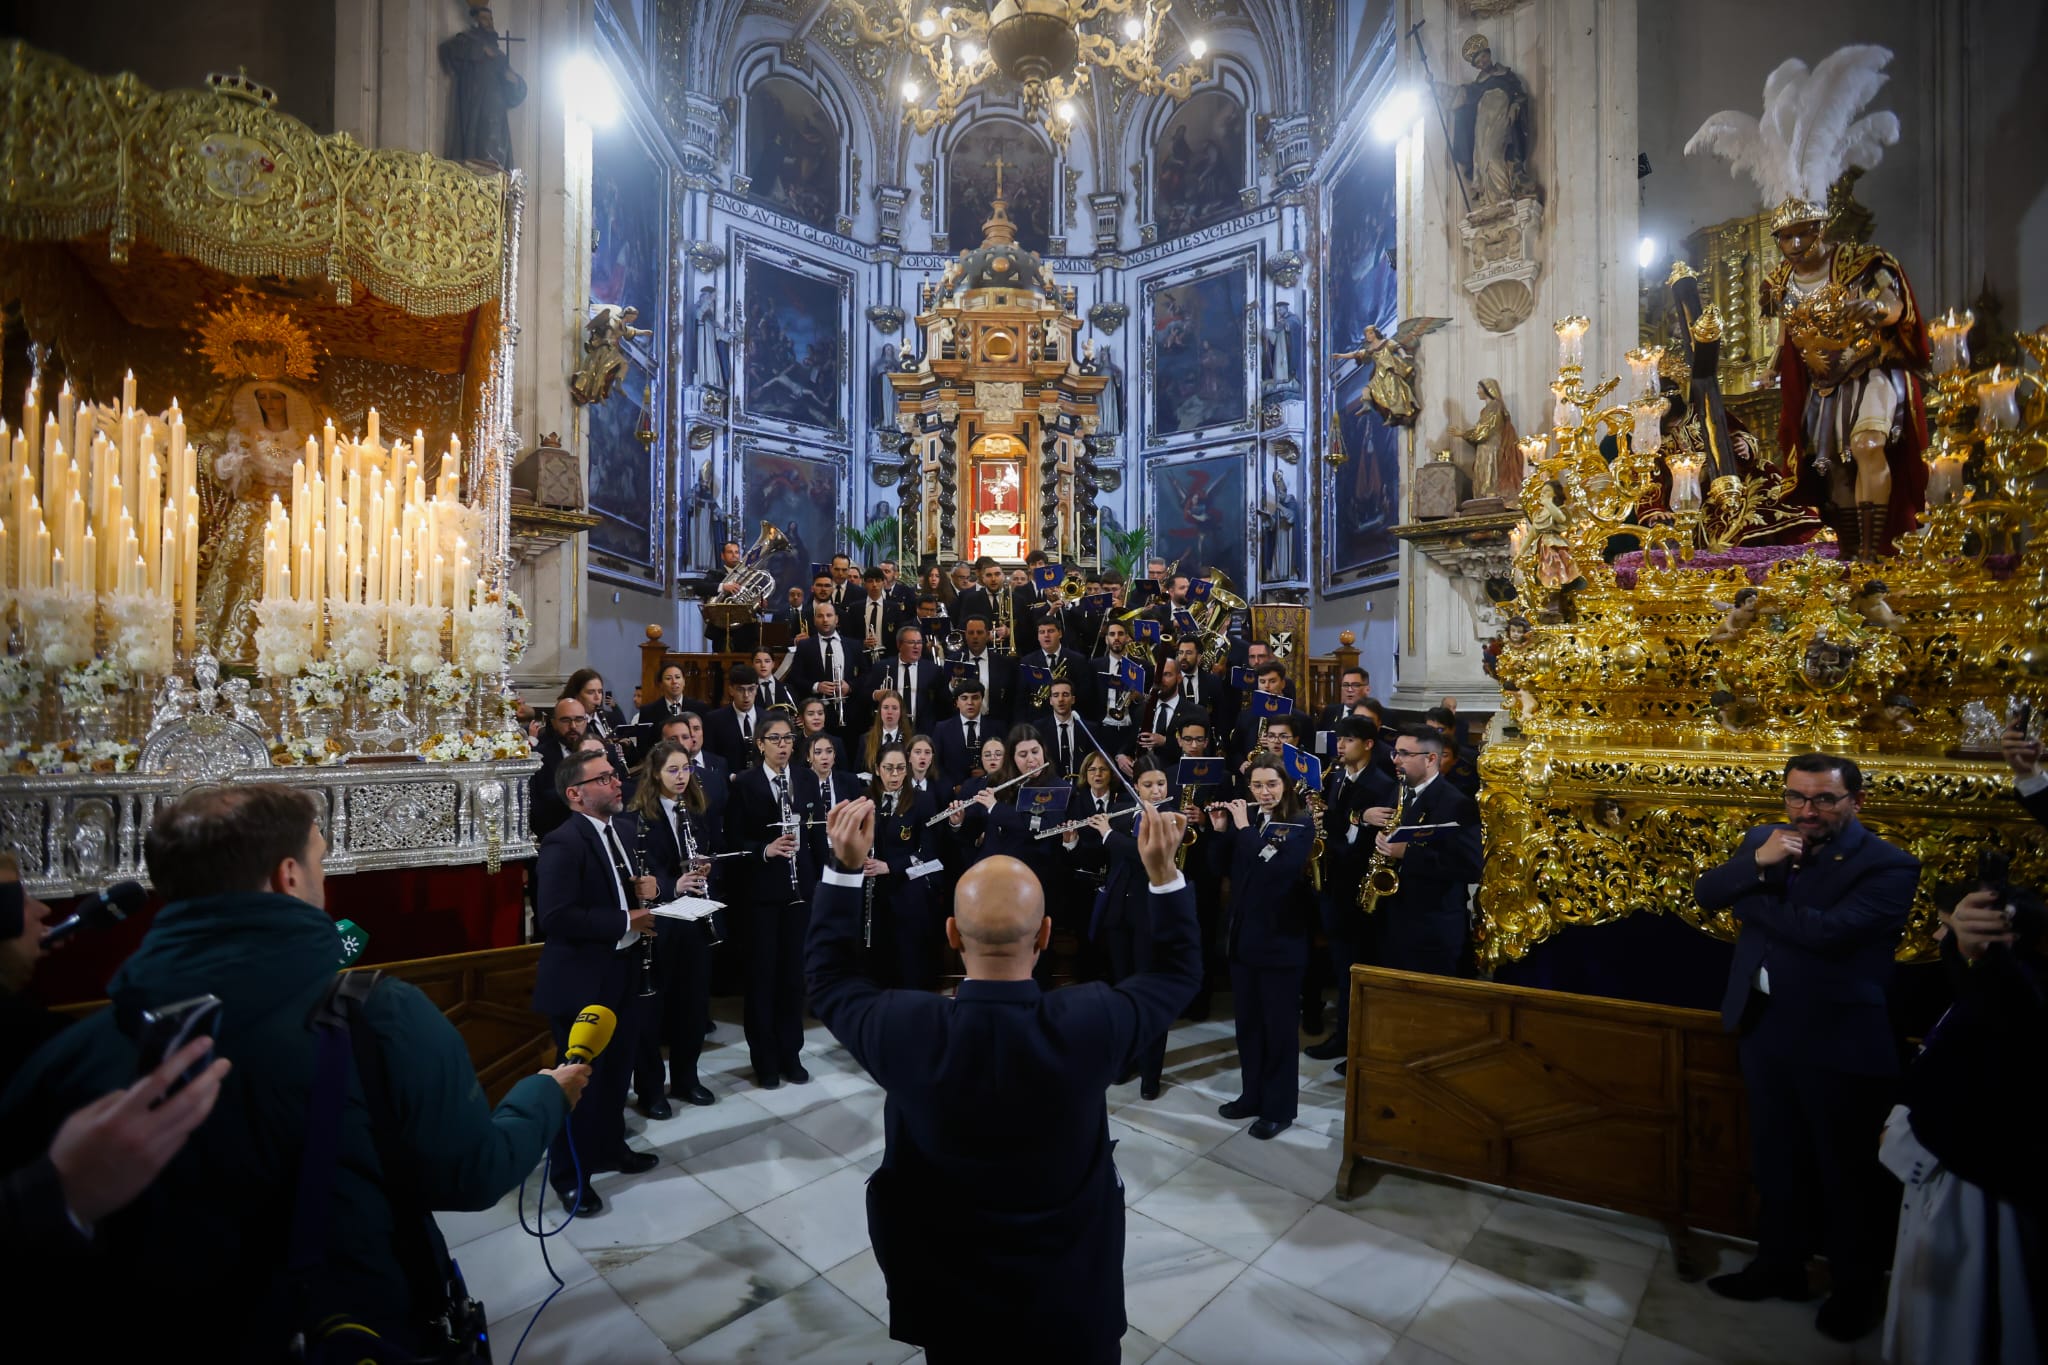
543 1232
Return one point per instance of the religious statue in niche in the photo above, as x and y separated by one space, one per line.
1852 416
1283 346
709 341
1280 513
486 90
881 393
1110 406
1490 129
1496 456
1391 390
604 352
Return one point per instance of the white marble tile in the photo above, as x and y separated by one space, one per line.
1609 1288
1409 1351
587 1324
1145 1162
1481 1318
504 1270
695 1130
813 1324
764 1165
650 1209
1263 1318
1237 1214
1301 1159
851 1127
824 1222
1183 1116
693 1287
860 1278
1643 1349
824 1086
1571 1231
1209 1065
1358 1266
1774 1331
1442 1213
466 1225
1168 1356
1136 1348
1169 1275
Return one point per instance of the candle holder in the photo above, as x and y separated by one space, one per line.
1685 466
59 624
1571 341
287 637
1647 414
1998 402
1948 459
1949 337
1643 364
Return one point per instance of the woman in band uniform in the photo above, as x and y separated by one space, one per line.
668 800
888 728
924 774
905 917
967 825
1011 829
1123 921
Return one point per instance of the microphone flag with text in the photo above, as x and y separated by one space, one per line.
590 1034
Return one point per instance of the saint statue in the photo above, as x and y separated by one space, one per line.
881 393
268 422
1391 390
1281 511
486 89
708 364
1283 348
1109 408
604 353
1496 454
1490 129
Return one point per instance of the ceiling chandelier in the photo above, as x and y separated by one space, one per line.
1048 47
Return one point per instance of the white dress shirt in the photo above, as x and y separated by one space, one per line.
605 834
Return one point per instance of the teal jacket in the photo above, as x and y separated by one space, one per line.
210 1235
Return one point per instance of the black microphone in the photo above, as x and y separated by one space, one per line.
101 910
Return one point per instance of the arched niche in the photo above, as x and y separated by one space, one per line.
1030 173
793 151
1200 163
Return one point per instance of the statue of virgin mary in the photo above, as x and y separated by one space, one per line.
268 422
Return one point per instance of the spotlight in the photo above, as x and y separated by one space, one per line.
1199 48
969 54
1134 28
1646 253
1396 115
911 90
591 97
1066 111
927 26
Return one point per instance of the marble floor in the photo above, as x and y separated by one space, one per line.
749 1243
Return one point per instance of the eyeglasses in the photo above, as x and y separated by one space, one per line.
1412 753
778 739
1819 801
592 781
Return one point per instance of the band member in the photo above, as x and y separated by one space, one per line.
745 635
1263 846
905 915
1011 828
992 599
823 668
821 594
1351 787
1354 685
823 784
729 731
811 715
995 671
710 770
676 839
586 685
1062 734
586 901
967 818
1192 733
1245 738
874 617
926 777
957 739
1115 706
888 728
773 886
670 700
1123 925
903 594
917 681
1061 662
769 690
1197 684
845 584
1423 926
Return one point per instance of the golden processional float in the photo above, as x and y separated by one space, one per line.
253 476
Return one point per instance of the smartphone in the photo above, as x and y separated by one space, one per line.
2023 718
170 1027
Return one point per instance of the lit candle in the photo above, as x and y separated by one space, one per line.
88 565
167 565
370 432
1642 366
31 430
1949 457
1998 403
1647 434
1685 480
128 391
1949 335
188 571
57 576
1534 448
1571 341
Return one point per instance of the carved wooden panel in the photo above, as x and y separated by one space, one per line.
487 996
1607 1102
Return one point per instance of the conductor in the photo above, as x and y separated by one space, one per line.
996 1200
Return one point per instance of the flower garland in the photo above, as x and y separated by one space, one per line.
71 756
93 683
305 753
324 683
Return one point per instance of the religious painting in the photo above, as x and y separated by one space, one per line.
792 152
971 183
628 192
792 342
1197 351
1198 166
799 495
1363 501
623 482
1196 513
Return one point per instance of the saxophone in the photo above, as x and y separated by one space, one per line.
1316 806
1382 878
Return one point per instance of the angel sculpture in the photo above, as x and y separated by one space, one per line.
1873 606
1741 615
1391 390
604 354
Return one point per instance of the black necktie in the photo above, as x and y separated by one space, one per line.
909 692
827 642
747 727
875 619
619 866
1187 687
973 745
1102 805
888 804
1066 747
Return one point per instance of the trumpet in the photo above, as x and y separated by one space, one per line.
957 806
1382 878
1072 825
1006 612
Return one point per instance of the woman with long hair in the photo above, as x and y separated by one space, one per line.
1123 918
904 915
931 582
586 686
1263 846
888 728
968 821
924 772
1013 828
676 837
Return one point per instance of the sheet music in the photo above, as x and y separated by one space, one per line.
688 908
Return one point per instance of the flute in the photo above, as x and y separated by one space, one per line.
1072 825
949 811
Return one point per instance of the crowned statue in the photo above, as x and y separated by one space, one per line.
1852 349
1490 139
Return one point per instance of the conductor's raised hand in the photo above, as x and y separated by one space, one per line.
1159 836
851 828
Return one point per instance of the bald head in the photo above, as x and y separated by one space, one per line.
999 923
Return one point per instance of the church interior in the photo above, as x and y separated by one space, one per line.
1582 408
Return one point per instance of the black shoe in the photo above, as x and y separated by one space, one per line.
1343 1066
1751 1284
795 1074
1329 1050
1312 1023
1149 1090
656 1108
710 1028
1266 1128
589 1208
767 1080
1850 1314
1237 1109
696 1095
630 1162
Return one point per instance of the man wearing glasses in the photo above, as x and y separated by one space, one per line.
1821 902
1422 927
585 893
776 880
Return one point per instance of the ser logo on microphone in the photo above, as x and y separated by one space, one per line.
590 1034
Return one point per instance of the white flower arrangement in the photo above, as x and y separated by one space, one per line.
18 680
106 756
59 623
103 756
141 631
447 687
305 753
385 687
324 683
416 638
93 683
509 744
355 635
481 638
520 634
287 637
456 748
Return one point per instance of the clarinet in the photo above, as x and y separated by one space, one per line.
689 828
867 901
646 940
790 825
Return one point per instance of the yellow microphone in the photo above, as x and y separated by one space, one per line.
590 1034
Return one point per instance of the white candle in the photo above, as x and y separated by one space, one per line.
1642 367
1571 341
1998 403
1949 335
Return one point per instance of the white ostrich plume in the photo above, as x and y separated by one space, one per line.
1810 131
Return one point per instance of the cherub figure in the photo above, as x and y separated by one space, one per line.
1872 606
1741 615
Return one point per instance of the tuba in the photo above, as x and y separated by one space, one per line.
1213 617
749 584
1382 878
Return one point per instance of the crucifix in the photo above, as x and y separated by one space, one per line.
999 164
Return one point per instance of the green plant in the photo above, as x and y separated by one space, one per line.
1129 547
873 543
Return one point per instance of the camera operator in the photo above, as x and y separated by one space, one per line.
240 868
1970 1140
